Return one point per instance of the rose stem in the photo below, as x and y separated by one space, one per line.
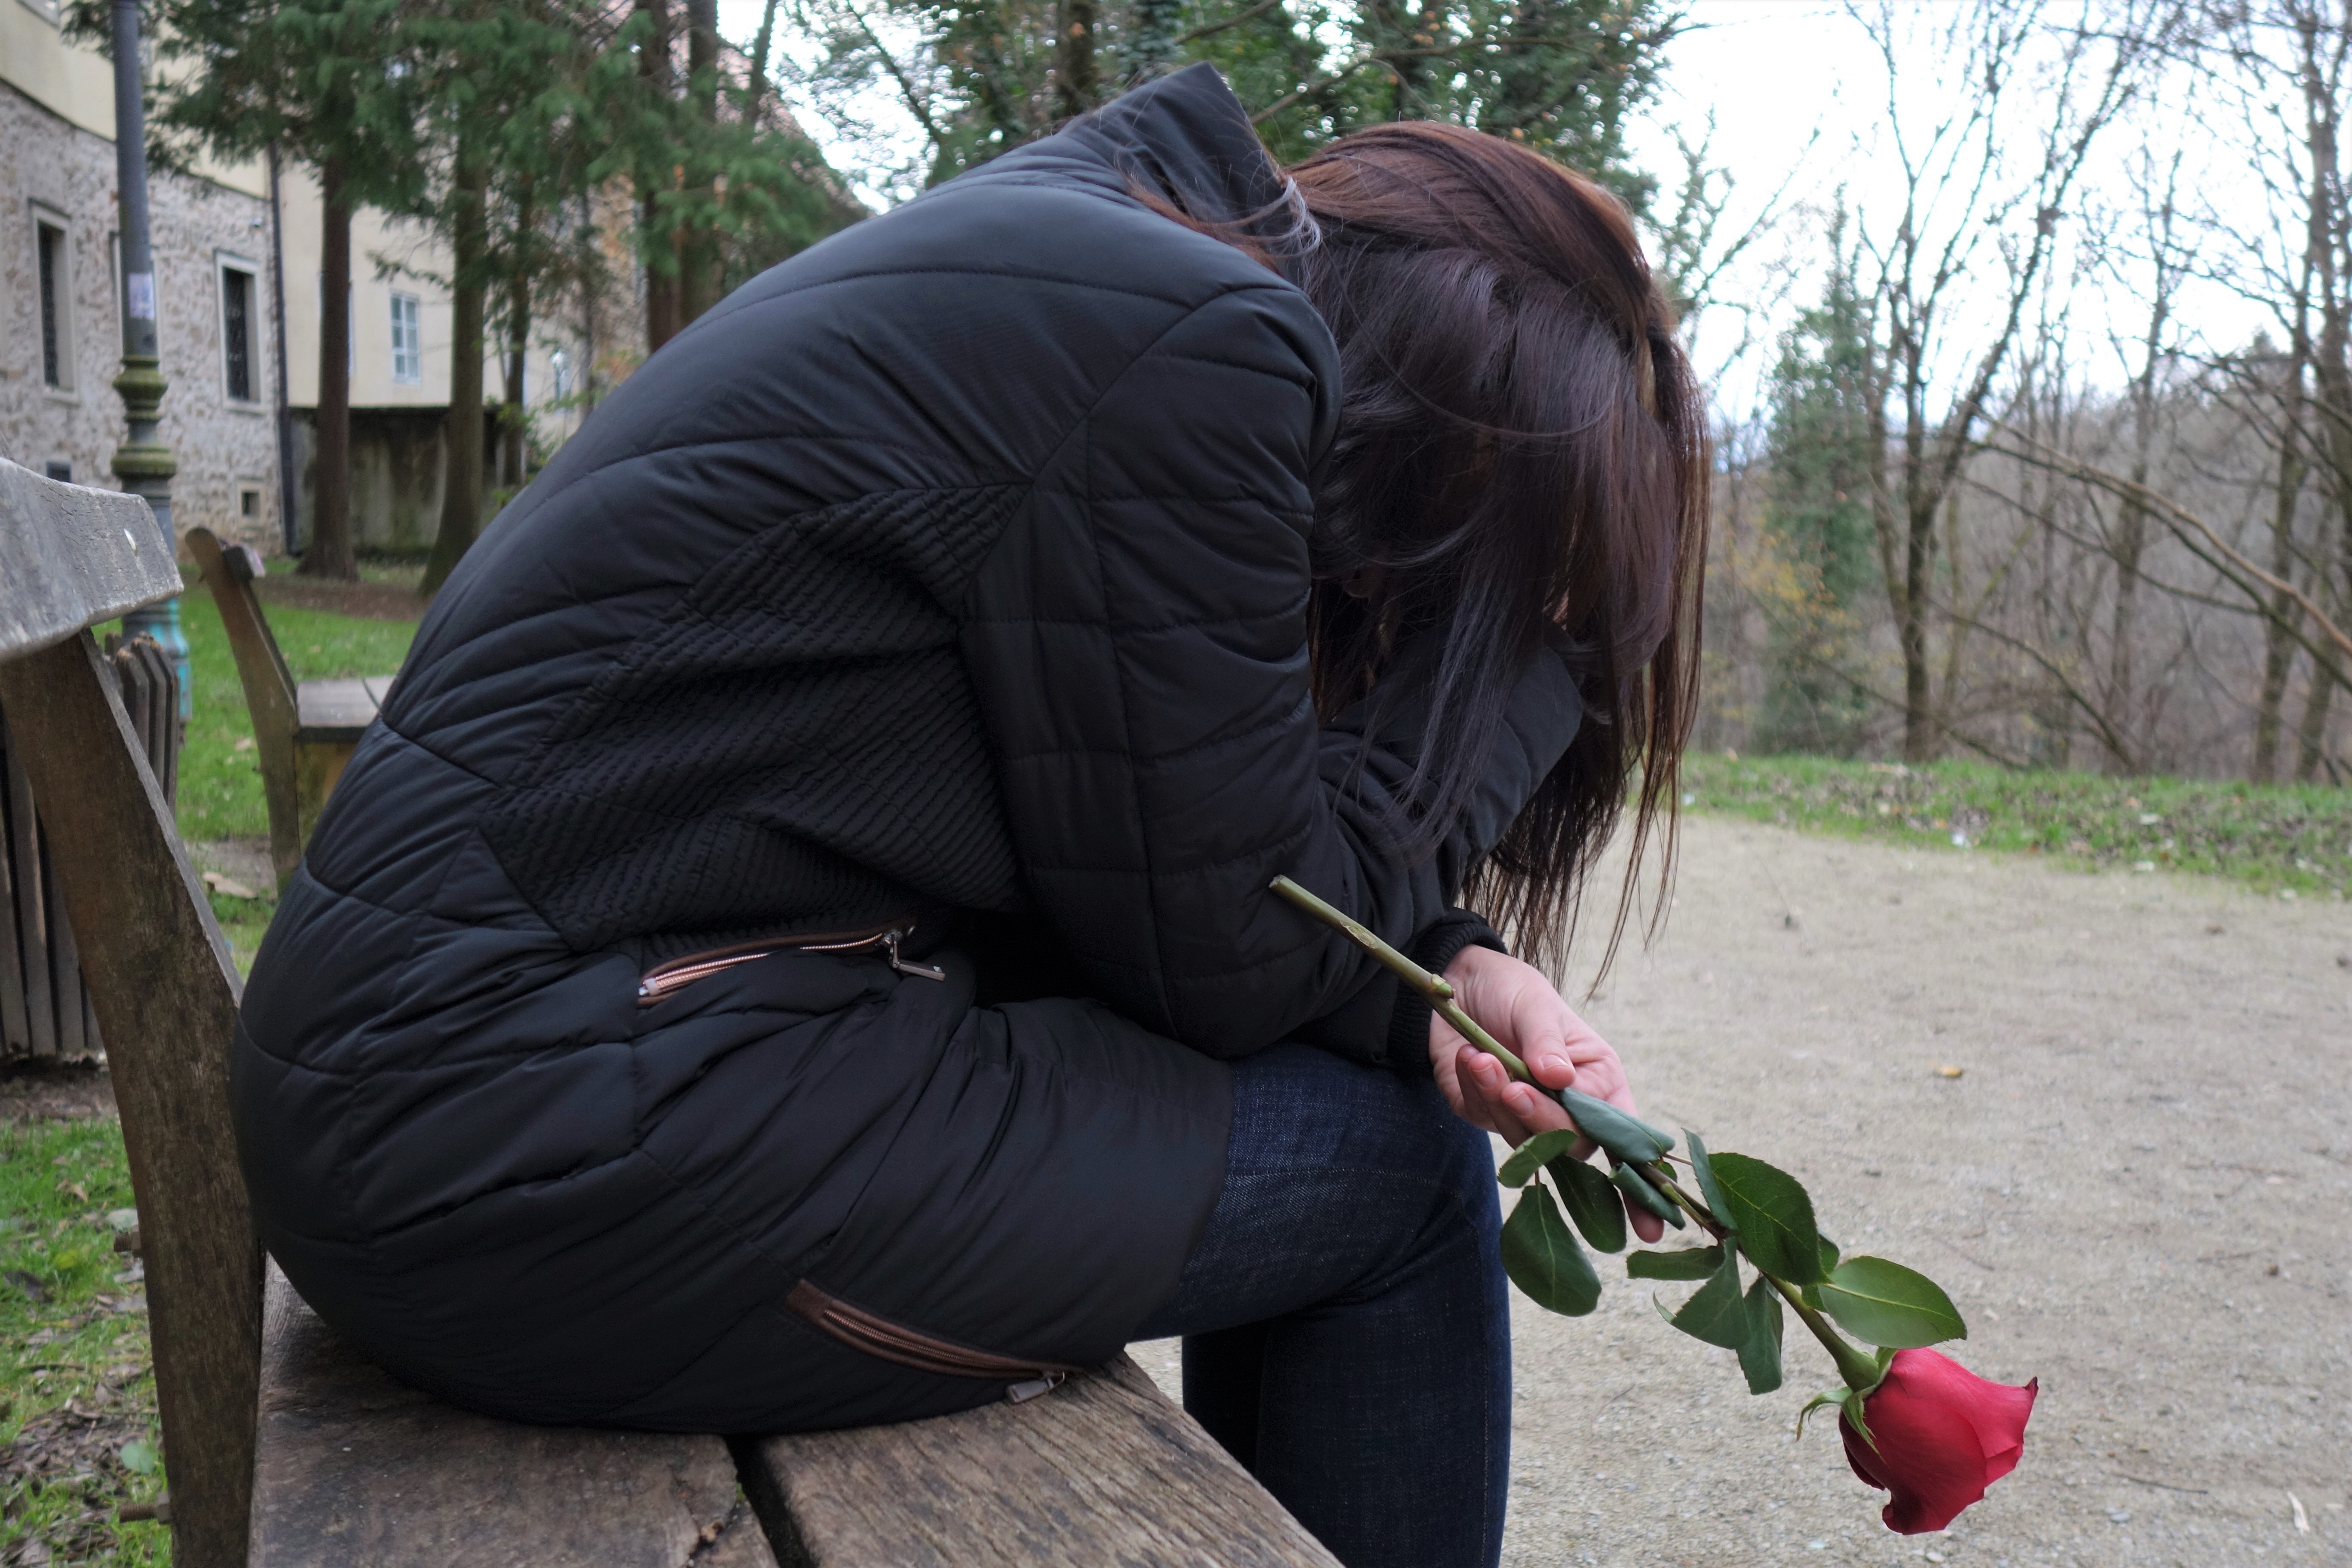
1433 986
1858 1370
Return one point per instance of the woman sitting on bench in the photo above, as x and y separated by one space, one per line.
797 951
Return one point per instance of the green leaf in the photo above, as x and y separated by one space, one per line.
1591 1203
1772 1216
1685 1263
1716 1314
1885 1304
1759 1352
1627 1137
1709 1188
1542 1258
140 1454
1529 1157
1636 1188
1829 1257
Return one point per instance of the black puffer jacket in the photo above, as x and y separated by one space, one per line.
948 580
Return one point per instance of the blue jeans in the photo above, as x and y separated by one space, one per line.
1347 1333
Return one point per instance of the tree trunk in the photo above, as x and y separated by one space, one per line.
1919 733
1076 88
755 95
332 551
2278 626
2310 736
657 243
514 429
461 481
699 278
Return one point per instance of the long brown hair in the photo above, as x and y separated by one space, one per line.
1521 456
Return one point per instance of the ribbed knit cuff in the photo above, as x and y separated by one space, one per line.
1436 947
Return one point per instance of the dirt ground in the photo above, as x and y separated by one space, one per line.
2135 1192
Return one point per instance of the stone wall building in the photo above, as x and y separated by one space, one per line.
227 257
60 294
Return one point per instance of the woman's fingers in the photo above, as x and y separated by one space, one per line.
1646 1226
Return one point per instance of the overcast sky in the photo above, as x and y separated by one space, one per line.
1800 105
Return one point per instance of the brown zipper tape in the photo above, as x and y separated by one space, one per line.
659 982
886 1341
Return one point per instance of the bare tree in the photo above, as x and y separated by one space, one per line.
1973 197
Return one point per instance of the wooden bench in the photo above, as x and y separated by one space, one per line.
304 733
284 1447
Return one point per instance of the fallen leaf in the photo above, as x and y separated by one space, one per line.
1945 1069
228 887
244 743
32 1289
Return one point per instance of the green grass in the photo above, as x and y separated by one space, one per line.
220 785
220 772
2292 841
77 1387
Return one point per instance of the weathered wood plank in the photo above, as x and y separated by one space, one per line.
15 1026
356 1469
65 963
269 690
1103 1470
71 557
165 998
333 710
31 954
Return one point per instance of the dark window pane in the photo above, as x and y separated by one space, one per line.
52 254
236 332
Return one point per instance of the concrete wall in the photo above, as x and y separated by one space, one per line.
398 458
227 452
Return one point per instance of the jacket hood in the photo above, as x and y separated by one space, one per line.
1184 137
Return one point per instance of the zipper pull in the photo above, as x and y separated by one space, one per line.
1022 1392
908 967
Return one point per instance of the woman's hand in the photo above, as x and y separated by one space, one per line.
1516 1004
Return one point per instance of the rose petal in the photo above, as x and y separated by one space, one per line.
1858 1456
1998 1411
1931 1458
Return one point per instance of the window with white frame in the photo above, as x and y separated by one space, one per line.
559 367
53 266
407 343
240 323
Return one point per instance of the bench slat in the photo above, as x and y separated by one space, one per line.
333 710
1105 1469
71 556
357 1468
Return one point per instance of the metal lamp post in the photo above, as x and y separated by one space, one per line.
144 464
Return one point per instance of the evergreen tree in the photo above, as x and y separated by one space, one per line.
534 104
983 77
1819 535
328 83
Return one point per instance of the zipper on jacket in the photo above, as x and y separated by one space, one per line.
886 1341
665 979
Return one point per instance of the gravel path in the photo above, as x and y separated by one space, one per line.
2136 1191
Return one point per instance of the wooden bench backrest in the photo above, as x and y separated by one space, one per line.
269 693
161 981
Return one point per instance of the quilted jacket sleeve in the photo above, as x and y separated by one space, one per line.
1140 646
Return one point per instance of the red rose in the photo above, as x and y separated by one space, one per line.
1943 1435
